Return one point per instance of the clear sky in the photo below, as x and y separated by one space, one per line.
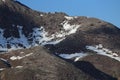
108 10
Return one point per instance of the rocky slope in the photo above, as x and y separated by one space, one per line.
73 46
38 64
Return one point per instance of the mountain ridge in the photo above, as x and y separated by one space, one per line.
77 40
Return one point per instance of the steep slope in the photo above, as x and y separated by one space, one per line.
38 64
91 32
71 38
103 63
19 29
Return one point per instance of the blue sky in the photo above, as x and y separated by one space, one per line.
108 10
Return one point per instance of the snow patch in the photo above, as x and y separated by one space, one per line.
2 41
19 67
12 41
103 51
74 29
76 59
69 29
3 0
41 36
22 52
69 17
55 41
16 58
75 55
38 37
1 69
88 16
28 54
3 60
67 26
41 14
20 57
22 39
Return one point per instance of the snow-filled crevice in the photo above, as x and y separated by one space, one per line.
13 42
99 49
